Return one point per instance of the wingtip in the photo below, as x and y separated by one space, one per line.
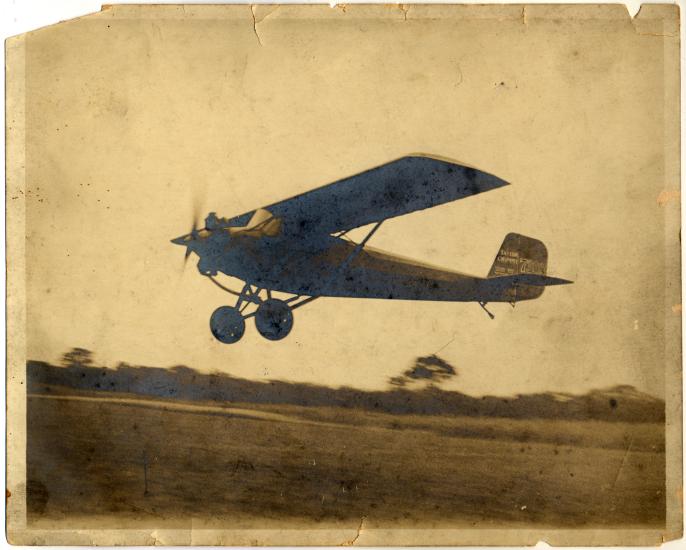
491 182
458 163
560 281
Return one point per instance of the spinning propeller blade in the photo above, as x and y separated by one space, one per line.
193 232
196 214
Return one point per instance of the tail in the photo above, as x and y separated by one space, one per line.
519 270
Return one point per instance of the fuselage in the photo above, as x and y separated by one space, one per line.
332 266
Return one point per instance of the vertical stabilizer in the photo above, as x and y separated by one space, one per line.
520 254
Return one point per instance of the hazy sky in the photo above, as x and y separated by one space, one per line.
131 118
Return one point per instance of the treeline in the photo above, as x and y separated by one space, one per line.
620 403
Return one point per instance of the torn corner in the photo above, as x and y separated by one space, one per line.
660 20
633 7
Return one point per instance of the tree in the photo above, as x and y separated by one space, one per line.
431 369
77 357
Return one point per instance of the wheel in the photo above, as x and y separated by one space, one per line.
274 319
227 324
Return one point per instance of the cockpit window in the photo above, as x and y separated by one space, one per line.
262 224
270 227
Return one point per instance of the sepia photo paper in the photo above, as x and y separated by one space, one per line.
370 275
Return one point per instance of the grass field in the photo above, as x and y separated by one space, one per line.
120 457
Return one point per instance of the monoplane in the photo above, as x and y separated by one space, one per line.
299 247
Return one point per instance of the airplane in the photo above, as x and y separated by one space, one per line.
299 247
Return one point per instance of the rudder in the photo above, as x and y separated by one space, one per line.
519 271
520 254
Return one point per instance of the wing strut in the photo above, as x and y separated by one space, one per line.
358 248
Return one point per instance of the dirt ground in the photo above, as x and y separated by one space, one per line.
117 458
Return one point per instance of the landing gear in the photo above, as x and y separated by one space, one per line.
227 324
274 319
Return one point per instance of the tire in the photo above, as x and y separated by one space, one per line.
274 319
227 325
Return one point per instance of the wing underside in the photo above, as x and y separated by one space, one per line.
405 185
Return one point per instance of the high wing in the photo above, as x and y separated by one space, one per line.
399 187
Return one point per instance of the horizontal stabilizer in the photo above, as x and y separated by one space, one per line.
529 279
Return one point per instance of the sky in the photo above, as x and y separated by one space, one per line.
132 119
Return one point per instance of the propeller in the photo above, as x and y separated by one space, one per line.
194 227
194 232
